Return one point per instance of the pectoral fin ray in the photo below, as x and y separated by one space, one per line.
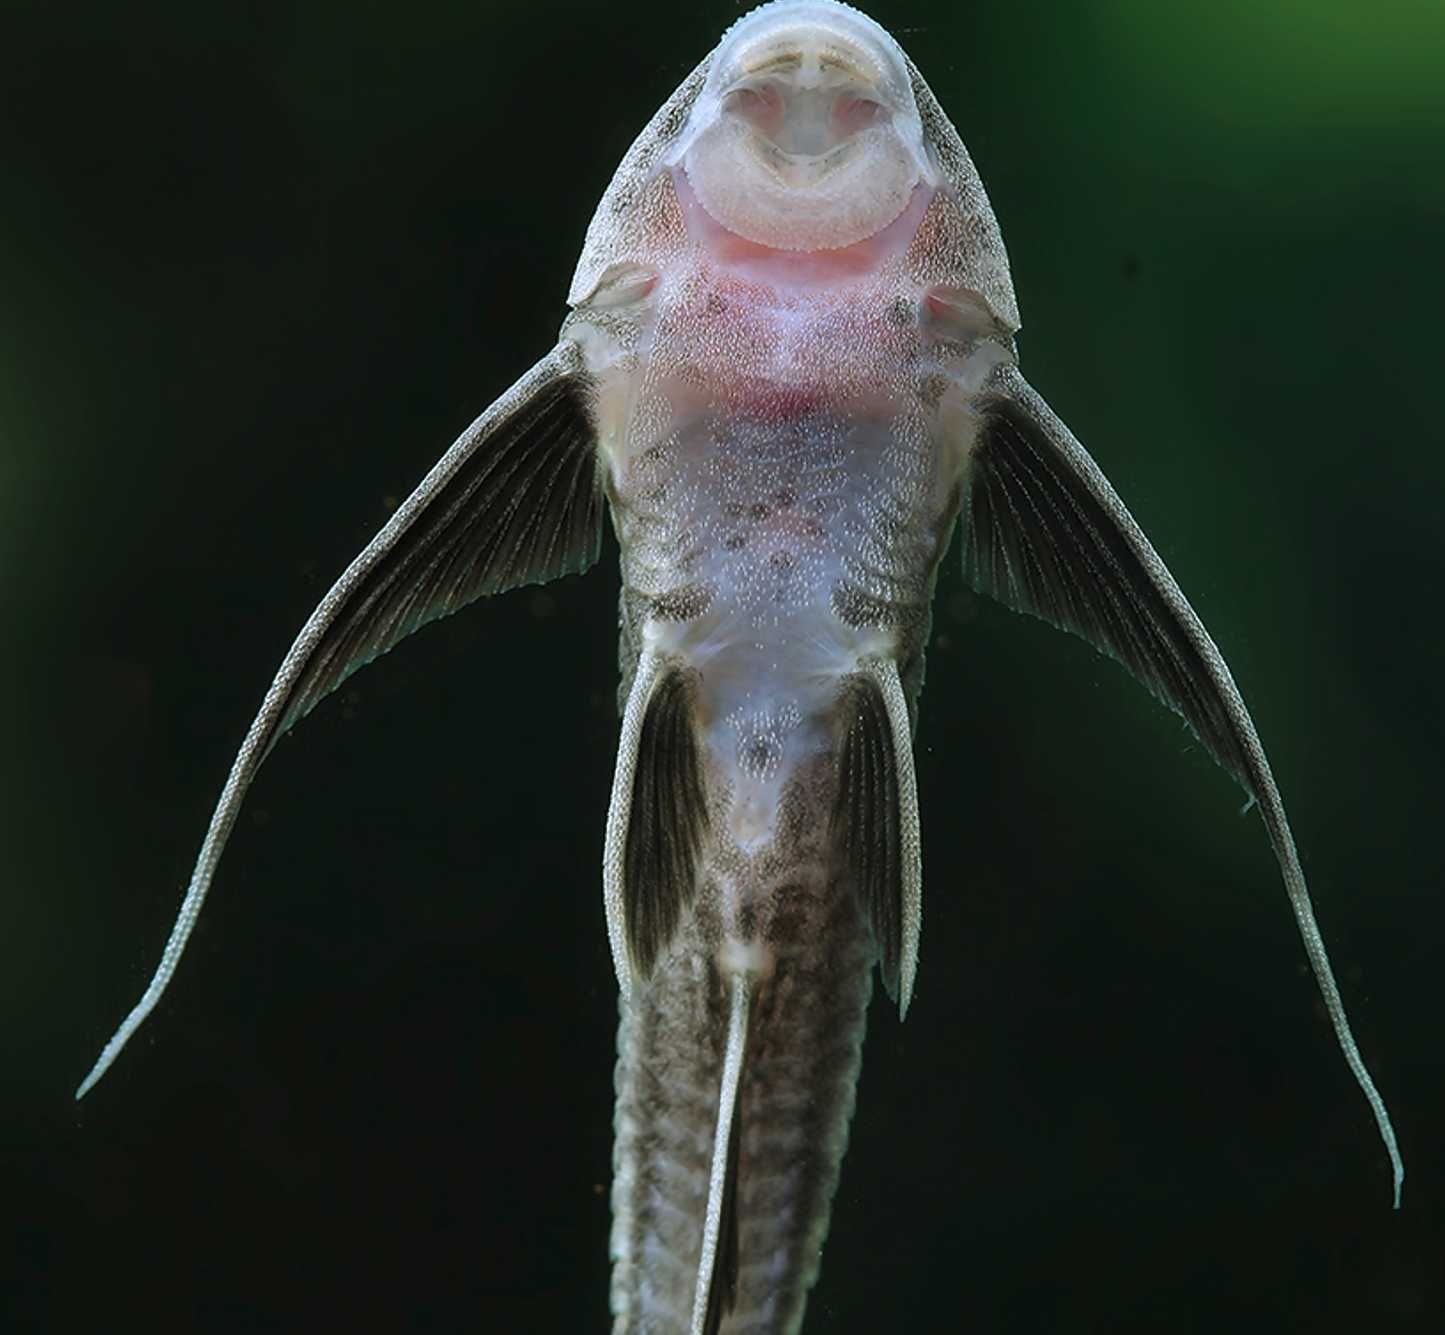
1045 533
516 500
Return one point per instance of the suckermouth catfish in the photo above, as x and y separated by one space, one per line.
788 375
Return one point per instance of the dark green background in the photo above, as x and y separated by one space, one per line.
260 263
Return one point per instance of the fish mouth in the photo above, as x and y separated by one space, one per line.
806 135
800 136
807 78
818 39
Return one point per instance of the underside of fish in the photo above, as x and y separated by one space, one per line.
789 375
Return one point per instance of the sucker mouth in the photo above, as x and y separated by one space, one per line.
804 98
802 124
806 135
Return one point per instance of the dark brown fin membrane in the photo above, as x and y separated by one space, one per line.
1039 539
523 507
722 1293
666 824
867 831
1047 534
515 500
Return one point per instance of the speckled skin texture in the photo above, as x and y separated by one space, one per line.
787 433
804 1053
783 435
780 506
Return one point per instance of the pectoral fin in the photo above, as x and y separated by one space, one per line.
516 500
1046 534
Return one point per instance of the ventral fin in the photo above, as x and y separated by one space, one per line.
875 820
657 822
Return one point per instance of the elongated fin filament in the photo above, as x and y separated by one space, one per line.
718 1262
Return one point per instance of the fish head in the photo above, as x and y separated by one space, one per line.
807 132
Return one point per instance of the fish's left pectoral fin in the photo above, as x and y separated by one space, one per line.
656 821
875 820
515 500
1045 533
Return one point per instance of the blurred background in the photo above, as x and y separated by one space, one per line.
260 263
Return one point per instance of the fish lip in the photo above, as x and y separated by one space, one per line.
812 44
796 172
790 71
793 170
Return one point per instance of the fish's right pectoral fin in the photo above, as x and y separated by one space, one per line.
656 821
516 500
